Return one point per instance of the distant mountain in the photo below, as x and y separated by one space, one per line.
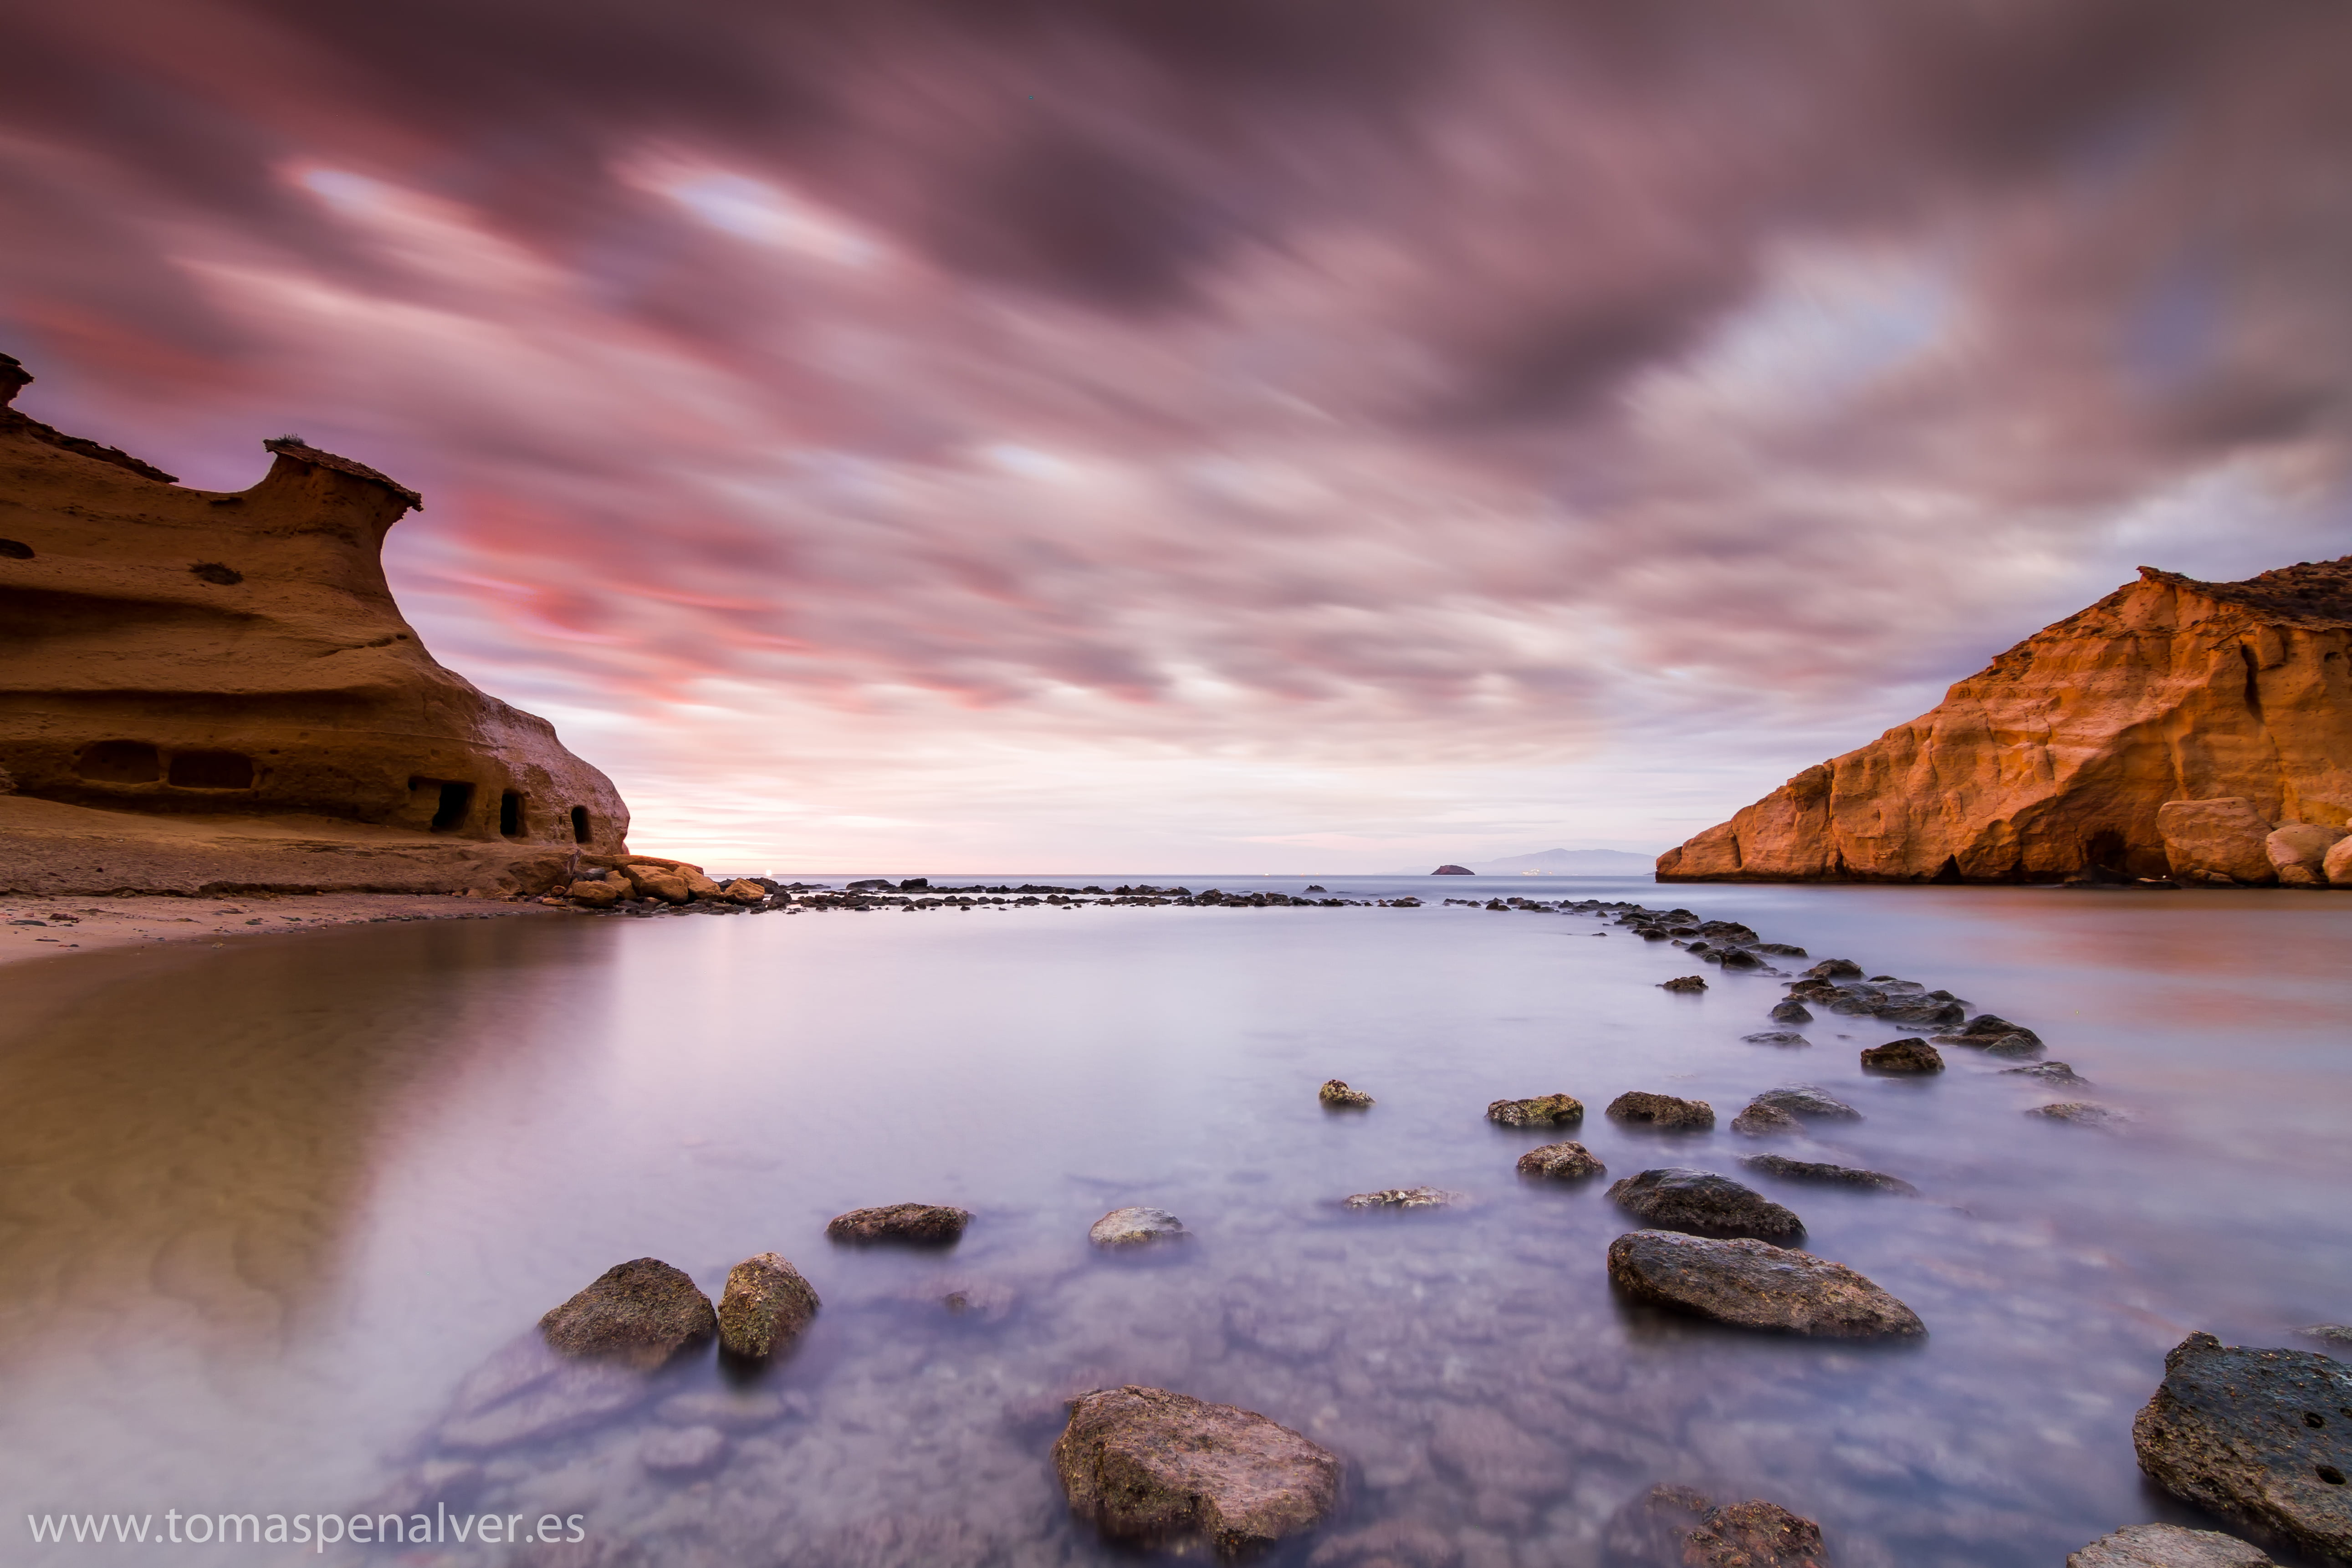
1569 863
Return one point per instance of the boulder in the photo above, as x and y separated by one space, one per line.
1765 1122
913 1224
1902 1055
1561 1162
1638 1108
699 886
1834 969
1134 1227
2264 1437
1986 1027
1675 1527
1787 1039
2049 1072
1545 1110
1803 1099
1337 1095
1684 982
1450 870
657 882
1790 1170
595 895
2225 838
2081 1113
2338 865
742 891
765 1304
1154 1467
1704 1204
1753 1285
639 1314
1789 1010
1403 1198
2298 852
2168 1546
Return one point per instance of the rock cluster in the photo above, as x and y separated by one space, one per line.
1155 1468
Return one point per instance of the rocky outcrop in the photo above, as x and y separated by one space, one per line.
766 1302
1755 1285
1155 1468
911 1225
1704 1204
2261 1436
638 1314
225 657
2059 759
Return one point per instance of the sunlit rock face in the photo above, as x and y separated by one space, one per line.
2055 759
176 652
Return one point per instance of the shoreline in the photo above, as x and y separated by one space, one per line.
100 922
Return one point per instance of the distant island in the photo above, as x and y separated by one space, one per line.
1556 863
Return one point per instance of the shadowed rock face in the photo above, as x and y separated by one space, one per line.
2263 1435
181 652
1146 1465
2057 758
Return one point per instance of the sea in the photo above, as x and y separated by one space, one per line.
267 1209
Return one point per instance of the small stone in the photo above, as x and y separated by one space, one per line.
2049 1072
1684 982
1792 1011
1904 1055
912 1225
2168 1546
1704 1204
1155 1468
1406 1198
1765 1122
681 1451
1129 1228
1790 1170
1545 1110
2258 1435
1787 1039
1638 1108
639 1314
1755 1285
1337 1095
766 1302
1561 1162
1805 1100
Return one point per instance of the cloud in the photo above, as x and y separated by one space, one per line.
1059 419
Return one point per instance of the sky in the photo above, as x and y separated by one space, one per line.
1211 435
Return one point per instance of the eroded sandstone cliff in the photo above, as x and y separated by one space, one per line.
238 656
2058 759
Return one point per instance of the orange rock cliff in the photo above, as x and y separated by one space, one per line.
216 690
2201 731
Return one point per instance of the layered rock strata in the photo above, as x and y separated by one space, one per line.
2172 729
233 660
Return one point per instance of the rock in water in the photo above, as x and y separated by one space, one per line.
1789 1010
1404 1198
2062 755
2263 1435
528 1394
1136 1227
1788 1039
1704 1204
1684 982
1790 1170
1755 1285
2168 1546
913 1224
1805 1100
2049 1072
1765 1122
1561 1162
766 1302
638 1313
1638 1108
2081 1113
1545 1110
1902 1055
1834 969
2329 1333
1675 1527
1337 1095
1147 1466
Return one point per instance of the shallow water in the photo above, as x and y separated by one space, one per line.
263 1207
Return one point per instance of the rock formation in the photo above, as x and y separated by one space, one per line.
178 660
2076 753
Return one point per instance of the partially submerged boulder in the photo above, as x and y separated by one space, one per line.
2081 1113
1704 1204
1638 1107
1815 1170
1902 1056
1403 1198
1155 1468
2168 1546
1753 1285
765 1304
1765 1122
1684 982
1544 1110
1675 1527
639 1314
1561 1162
2261 1436
528 1394
910 1224
1805 1100
1788 1039
1337 1095
1789 1010
2049 1072
1132 1227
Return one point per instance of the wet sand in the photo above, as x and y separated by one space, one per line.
34 926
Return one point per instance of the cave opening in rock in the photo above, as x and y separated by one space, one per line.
211 770
456 802
2106 850
510 815
579 833
118 761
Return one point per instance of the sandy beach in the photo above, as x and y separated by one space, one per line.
37 926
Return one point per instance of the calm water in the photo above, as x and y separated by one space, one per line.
263 1207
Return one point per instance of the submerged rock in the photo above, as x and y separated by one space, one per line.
2168 1546
1788 1039
1789 1010
1638 1108
2261 1436
2049 1072
1704 1204
1561 1162
1764 1121
1545 1110
1392 1544
1152 1467
766 1302
1902 1055
527 1393
1755 1285
1790 1170
914 1224
1684 982
1337 1095
1136 1227
1805 1100
1404 1198
679 1452
2081 1113
639 1314
1675 1527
